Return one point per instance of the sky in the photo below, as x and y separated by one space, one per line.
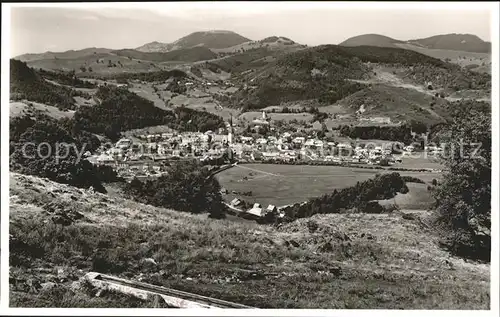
129 25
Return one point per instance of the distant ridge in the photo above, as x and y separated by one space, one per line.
454 42
371 40
213 39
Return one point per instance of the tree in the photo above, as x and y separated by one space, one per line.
187 187
463 197
53 153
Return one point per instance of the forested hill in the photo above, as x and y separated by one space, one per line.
322 73
26 83
122 110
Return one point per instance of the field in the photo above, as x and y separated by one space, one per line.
146 91
418 198
21 108
287 184
357 261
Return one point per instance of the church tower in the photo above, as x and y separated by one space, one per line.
230 131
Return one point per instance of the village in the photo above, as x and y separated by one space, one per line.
143 155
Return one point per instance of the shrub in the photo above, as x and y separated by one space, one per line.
411 179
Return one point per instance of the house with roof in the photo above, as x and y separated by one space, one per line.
257 210
271 208
235 202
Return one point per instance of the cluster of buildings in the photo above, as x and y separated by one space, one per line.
144 155
287 148
256 211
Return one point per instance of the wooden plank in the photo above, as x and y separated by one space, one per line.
172 297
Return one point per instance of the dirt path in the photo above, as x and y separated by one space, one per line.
259 171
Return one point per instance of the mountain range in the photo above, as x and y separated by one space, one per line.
205 45
454 42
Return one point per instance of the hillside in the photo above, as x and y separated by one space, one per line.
324 73
192 54
338 261
215 39
121 110
370 40
455 42
71 54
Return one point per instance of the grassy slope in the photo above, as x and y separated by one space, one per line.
98 68
395 102
351 261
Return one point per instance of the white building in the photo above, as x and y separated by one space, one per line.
257 210
123 143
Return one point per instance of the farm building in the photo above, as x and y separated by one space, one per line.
257 211
235 202
271 208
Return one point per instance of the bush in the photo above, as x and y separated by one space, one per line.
411 179
187 186
371 207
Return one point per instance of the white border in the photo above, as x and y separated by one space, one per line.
4 198
494 295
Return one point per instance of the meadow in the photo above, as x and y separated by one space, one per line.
287 184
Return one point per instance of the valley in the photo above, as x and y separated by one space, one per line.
263 172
